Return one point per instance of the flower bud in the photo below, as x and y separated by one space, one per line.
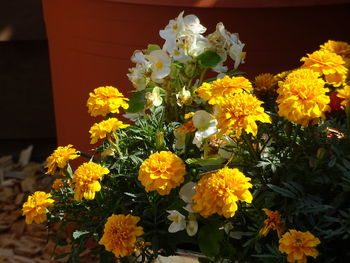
160 140
321 153
190 70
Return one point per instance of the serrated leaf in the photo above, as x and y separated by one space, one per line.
77 234
209 59
137 102
282 191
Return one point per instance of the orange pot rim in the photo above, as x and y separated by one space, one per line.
233 3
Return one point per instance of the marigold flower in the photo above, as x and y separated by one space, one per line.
219 192
85 179
120 234
102 129
344 94
298 245
36 207
106 100
161 172
240 112
60 157
186 127
57 184
328 64
302 97
223 88
338 47
264 84
273 221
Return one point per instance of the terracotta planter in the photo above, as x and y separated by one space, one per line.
91 42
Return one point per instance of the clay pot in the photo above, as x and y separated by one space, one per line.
91 42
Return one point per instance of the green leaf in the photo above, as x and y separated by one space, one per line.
152 47
209 238
211 160
137 102
78 233
282 191
209 59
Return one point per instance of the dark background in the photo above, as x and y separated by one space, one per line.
26 105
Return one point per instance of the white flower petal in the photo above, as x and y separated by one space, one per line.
191 227
187 191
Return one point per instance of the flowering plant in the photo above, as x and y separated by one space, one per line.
240 170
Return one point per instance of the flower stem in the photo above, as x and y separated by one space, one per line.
251 149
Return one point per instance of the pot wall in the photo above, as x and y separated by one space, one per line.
91 42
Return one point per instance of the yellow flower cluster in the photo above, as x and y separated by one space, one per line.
344 93
161 172
240 112
264 85
272 222
120 234
35 207
59 158
302 97
328 64
223 87
298 245
102 129
219 192
85 179
106 100
340 48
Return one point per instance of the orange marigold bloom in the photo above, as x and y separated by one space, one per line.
106 100
223 88
344 94
298 245
264 84
302 97
219 192
240 112
57 184
161 172
59 158
338 47
273 221
186 127
120 235
85 180
104 128
328 64
36 207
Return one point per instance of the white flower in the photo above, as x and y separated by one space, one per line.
236 52
191 227
139 57
179 55
178 221
154 98
193 25
186 193
175 26
137 77
160 64
205 124
183 97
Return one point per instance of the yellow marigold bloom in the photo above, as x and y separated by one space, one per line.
218 192
240 112
302 97
106 100
298 245
60 157
85 179
273 221
57 184
344 93
264 84
338 47
189 115
328 64
120 234
36 207
223 87
161 172
102 129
